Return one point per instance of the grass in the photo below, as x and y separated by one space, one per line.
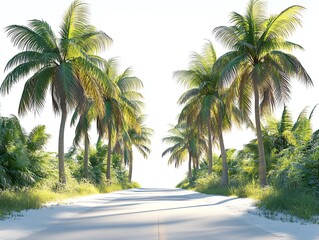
295 202
292 201
33 198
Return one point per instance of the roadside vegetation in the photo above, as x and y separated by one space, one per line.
29 174
91 90
242 88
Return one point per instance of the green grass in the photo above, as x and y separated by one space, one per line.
292 201
36 197
295 202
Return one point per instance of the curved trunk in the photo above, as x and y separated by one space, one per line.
261 150
86 155
224 181
130 170
190 167
210 150
109 150
62 178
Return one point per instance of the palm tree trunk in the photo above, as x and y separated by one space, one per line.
62 178
197 163
86 155
109 150
224 181
130 170
261 150
210 150
190 166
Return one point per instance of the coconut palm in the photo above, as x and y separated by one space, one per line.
181 137
260 62
286 133
85 114
198 76
205 102
65 65
120 110
138 137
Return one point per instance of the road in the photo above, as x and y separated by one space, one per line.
150 214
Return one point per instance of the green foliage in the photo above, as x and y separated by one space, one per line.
310 174
66 64
290 200
22 199
293 201
292 154
208 182
185 184
131 185
260 64
22 159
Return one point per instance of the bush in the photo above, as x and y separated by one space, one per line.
132 185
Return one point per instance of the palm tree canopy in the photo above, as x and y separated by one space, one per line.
138 137
206 99
84 115
65 65
124 107
179 149
184 142
260 53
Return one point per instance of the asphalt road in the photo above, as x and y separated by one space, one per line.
151 214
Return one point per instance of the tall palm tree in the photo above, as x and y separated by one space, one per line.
66 65
85 114
120 110
138 137
205 102
199 76
259 61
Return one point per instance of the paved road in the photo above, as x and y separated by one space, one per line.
151 214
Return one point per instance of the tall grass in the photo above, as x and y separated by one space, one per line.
23 199
295 202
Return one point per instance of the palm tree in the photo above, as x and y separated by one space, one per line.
196 78
285 133
120 110
205 103
259 62
66 65
139 137
86 114
181 137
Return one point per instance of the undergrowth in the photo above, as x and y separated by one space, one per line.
294 201
32 198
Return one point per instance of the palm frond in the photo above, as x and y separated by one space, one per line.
19 72
34 91
26 38
283 24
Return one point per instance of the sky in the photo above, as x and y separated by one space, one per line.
156 38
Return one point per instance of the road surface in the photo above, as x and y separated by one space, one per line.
151 214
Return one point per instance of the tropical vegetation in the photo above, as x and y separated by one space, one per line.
255 75
242 87
68 67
